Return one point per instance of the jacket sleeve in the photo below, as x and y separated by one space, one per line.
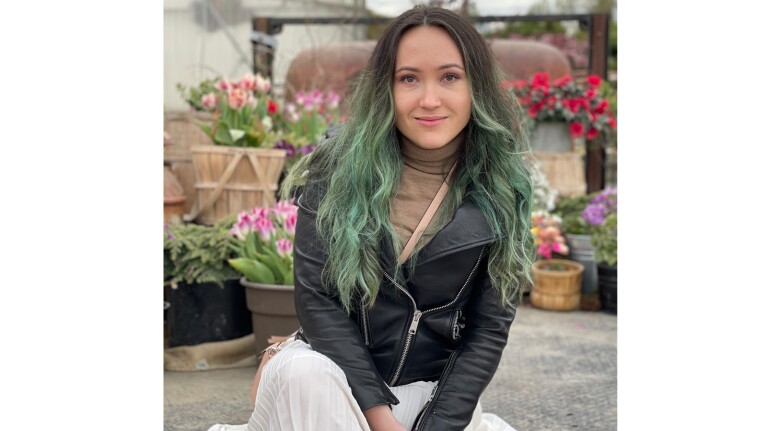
473 364
325 325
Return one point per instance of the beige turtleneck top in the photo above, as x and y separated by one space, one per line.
422 175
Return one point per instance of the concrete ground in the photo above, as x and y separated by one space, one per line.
558 372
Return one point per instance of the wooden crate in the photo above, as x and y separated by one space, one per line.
185 133
565 171
232 179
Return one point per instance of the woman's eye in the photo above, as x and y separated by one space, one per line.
451 77
408 79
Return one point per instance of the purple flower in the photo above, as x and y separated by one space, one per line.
308 149
594 214
287 146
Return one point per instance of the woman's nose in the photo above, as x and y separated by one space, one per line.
430 97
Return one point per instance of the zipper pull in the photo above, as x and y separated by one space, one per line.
414 323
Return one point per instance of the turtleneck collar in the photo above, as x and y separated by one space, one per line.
437 161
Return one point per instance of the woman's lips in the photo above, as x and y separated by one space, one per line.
430 121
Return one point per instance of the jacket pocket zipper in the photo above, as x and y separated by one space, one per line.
435 392
418 314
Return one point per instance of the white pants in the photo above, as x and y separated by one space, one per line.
303 390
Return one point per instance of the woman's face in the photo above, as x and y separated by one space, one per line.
431 94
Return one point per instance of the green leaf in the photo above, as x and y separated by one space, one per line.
222 134
253 270
270 262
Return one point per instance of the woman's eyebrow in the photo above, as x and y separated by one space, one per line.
415 69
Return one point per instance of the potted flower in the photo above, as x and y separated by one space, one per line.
306 119
578 233
556 281
602 215
581 107
205 302
263 254
241 169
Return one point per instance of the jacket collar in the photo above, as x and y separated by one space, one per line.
467 229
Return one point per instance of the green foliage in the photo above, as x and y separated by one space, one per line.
260 263
198 254
569 208
605 241
193 95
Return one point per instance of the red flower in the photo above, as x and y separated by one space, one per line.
562 81
540 80
533 111
576 129
613 124
272 109
600 109
591 93
592 133
594 80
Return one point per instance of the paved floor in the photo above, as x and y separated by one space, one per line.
558 372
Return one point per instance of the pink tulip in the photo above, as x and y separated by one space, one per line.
290 224
262 84
248 82
284 247
237 98
223 85
265 228
209 101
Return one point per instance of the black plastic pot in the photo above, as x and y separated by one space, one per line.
608 287
201 313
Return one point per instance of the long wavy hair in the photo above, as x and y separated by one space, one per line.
359 168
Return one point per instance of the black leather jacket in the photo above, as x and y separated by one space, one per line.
446 323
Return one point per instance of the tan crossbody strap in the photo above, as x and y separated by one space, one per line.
427 216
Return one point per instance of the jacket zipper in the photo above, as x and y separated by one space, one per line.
437 388
418 314
365 330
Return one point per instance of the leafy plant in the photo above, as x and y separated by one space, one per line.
196 254
602 214
264 243
605 241
570 209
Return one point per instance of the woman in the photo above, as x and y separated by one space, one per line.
389 342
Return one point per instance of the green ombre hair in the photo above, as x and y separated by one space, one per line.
359 168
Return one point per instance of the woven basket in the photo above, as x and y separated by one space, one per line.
232 179
556 290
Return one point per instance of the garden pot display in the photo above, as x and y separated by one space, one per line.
558 290
206 312
232 179
272 309
582 251
608 287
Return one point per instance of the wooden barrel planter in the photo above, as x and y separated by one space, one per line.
232 179
558 290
